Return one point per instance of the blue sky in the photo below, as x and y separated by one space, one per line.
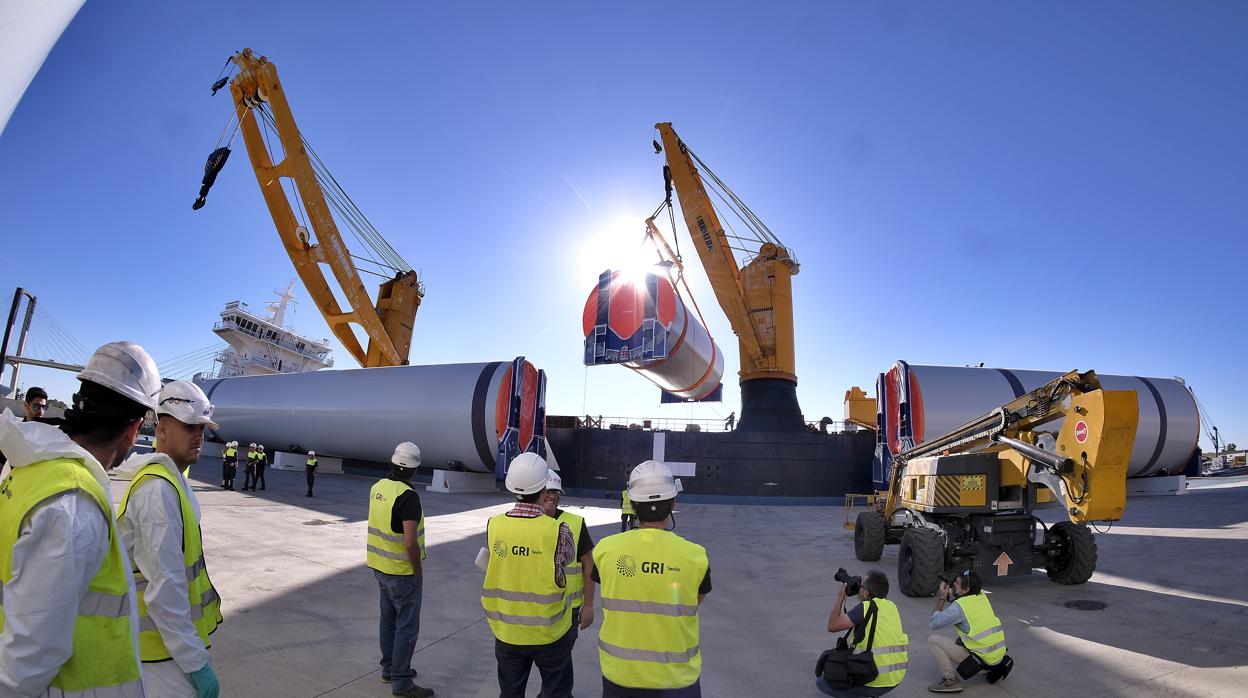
1046 186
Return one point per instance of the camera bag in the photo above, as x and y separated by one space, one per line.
842 668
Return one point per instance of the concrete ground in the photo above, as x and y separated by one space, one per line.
301 608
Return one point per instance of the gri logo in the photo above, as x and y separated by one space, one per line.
626 565
500 549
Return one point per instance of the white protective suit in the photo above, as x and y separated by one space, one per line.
151 531
58 552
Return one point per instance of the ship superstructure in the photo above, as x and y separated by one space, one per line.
262 345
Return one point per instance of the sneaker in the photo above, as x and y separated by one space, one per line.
946 685
415 692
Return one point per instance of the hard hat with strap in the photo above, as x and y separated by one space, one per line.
986 638
205 603
649 595
102 660
522 602
527 474
385 550
126 369
406 455
185 402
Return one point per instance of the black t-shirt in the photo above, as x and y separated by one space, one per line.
856 616
406 508
703 588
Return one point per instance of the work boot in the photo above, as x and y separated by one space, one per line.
946 685
415 692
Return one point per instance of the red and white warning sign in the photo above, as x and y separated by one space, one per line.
1081 431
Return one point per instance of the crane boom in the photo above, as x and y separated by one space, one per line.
388 322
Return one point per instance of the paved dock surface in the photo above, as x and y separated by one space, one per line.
301 608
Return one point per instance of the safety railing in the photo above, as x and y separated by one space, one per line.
855 504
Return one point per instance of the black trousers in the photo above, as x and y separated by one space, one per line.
260 468
627 522
611 690
311 478
227 473
554 663
249 474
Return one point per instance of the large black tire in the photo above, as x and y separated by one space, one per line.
869 532
1072 556
920 562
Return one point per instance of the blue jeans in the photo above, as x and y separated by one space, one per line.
400 626
855 692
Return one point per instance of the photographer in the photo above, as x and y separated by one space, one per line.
889 646
965 607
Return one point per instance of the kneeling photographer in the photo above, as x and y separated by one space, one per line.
870 659
981 640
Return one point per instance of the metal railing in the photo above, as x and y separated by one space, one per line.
303 351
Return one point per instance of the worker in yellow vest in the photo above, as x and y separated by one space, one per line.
876 626
68 617
981 638
249 468
628 515
651 583
159 522
395 550
525 593
580 584
229 463
309 467
262 463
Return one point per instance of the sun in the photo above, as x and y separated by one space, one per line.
618 245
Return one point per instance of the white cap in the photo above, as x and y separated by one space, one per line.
185 402
126 369
652 481
406 455
554 482
527 474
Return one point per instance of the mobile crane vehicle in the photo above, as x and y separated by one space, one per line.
965 499
311 237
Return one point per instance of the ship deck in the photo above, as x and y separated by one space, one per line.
301 608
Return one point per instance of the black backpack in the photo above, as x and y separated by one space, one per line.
842 668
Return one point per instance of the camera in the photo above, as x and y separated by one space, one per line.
948 577
852 584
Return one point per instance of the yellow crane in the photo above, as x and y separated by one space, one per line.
757 296
309 233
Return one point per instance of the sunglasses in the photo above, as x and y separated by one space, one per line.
39 406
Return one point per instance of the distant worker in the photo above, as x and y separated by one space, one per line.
249 469
229 465
70 620
628 515
652 582
309 467
579 584
981 639
889 643
262 464
395 550
35 402
525 594
731 421
159 522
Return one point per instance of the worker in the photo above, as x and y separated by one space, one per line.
652 582
525 594
70 620
395 551
229 464
249 469
731 421
309 467
628 515
579 585
980 635
876 623
159 522
262 463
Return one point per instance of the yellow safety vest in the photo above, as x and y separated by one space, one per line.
204 600
522 602
574 573
649 597
230 452
889 649
627 506
986 638
311 463
102 661
251 455
386 551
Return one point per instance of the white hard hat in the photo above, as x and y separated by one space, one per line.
527 474
253 445
185 402
406 455
311 453
261 447
652 481
554 482
126 369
